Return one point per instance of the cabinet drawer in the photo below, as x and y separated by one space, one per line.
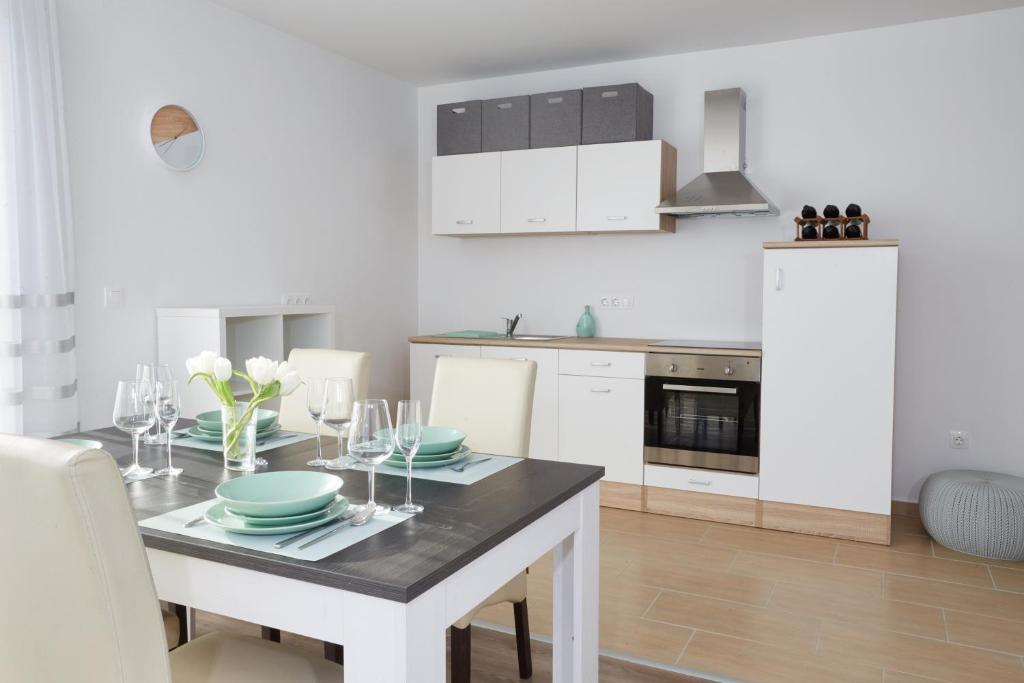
601 364
701 481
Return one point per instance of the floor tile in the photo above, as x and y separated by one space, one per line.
990 633
757 662
914 565
789 631
645 524
908 525
875 612
641 548
946 553
748 589
642 638
791 570
954 596
1009 579
893 676
773 542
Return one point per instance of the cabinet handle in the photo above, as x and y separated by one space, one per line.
778 279
520 359
615 218
600 363
700 482
536 220
600 391
464 221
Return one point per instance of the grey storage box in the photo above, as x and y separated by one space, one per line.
506 123
617 113
556 118
459 128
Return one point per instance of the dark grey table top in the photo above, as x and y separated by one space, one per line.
460 523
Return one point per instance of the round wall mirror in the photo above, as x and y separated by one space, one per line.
176 137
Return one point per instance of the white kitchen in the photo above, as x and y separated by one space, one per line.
711 311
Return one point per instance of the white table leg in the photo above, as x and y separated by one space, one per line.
388 642
575 590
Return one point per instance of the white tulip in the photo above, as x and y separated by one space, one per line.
192 365
205 361
262 370
289 383
282 369
222 369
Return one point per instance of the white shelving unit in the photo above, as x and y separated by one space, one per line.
237 332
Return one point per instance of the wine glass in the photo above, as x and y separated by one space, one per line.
370 440
316 388
133 413
153 373
408 434
339 397
168 409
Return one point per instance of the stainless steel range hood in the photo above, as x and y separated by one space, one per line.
722 189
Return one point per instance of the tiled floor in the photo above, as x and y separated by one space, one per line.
759 605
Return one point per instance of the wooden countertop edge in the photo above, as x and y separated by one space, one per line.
826 244
622 344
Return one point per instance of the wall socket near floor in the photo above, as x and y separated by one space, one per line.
959 439
300 299
621 301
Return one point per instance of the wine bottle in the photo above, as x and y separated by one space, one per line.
830 231
831 211
808 212
809 231
852 230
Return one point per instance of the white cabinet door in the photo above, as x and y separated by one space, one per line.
466 195
827 377
619 186
422 359
601 422
544 429
538 190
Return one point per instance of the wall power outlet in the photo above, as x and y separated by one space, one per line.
959 439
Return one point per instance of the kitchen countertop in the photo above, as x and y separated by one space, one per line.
587 344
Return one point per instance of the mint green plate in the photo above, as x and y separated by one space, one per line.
219 517
210 420
279 494
439 440
84 443
196 432
290 519
459 456
427 458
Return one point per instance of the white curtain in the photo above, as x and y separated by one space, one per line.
38 385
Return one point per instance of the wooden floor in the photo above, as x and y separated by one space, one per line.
760 605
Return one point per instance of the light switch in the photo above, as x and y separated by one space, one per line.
113 297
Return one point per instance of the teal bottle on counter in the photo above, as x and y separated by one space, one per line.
585 325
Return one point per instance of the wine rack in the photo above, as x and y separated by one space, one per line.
840 221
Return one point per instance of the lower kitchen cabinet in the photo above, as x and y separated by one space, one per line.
423 359
544 428
600 422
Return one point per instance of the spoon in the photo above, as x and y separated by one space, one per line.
346 515
360 518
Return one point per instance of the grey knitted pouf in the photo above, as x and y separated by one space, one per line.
979 513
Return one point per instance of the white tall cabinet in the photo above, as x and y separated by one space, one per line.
829 326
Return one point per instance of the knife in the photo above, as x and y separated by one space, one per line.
360 518
345 517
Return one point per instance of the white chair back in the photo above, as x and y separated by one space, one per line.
489 399
321 363
78 599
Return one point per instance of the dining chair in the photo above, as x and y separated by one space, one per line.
78 598
491 401
294 416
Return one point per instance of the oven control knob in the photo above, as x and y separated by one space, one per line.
672 367
728 370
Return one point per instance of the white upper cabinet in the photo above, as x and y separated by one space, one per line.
538 190
619 186
466 194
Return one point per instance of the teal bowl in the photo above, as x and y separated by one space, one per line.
279 494
84 443
210 420
437 440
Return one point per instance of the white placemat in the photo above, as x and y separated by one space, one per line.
471 475
281 438
174 522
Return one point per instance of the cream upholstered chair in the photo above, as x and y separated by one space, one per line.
321 363
491 400
79 602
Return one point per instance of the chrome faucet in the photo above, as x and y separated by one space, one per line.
510 324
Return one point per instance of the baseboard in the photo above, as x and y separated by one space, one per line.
622 496
819 521
904 508
696 505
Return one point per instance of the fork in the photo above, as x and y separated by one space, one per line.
463 465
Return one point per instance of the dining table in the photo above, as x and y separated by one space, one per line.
388 599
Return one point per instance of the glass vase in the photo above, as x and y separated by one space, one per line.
239 437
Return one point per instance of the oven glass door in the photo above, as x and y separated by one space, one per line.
702 423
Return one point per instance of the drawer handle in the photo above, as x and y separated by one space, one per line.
600 363
615 218
600 391
701 482
536 220
464 221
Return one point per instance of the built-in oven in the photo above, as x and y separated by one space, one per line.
702 411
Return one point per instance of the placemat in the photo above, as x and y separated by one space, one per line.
471 475
174 522
281 438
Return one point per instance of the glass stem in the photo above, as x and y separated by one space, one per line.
319 448
341 447
408 480
370 502
135 449
169 449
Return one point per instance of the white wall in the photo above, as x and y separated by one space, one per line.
308 184
922 124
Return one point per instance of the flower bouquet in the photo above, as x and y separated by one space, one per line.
267 379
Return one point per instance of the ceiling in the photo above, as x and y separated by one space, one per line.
439 41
